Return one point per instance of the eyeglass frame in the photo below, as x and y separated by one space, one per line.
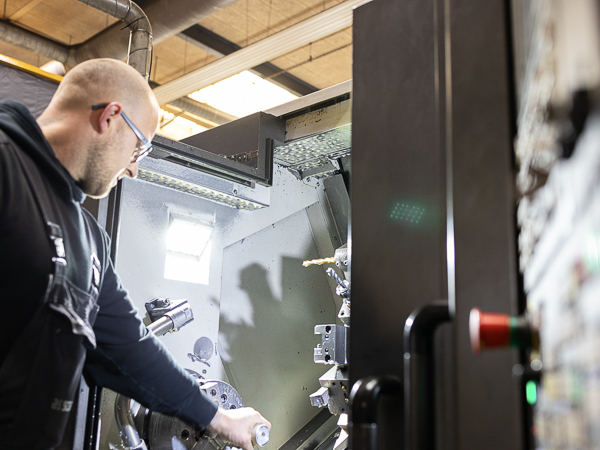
146 146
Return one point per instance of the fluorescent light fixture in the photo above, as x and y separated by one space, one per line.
203 191
188 251
243 94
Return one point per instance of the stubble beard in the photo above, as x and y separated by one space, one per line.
97 180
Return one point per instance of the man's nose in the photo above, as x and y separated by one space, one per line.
132 170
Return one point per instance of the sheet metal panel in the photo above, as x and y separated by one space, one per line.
273 239
433 122
488 401
397 264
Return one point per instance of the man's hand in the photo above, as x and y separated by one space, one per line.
235 425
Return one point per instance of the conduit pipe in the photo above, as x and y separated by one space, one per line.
139 54
30 41
168 18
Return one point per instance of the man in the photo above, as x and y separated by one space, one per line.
64 310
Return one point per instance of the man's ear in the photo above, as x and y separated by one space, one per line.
107 117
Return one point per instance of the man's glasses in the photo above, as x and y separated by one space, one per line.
141 150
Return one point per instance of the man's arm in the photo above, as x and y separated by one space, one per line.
132 361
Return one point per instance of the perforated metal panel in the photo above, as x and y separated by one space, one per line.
316 150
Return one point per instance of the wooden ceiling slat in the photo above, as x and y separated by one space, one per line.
24 10
245 21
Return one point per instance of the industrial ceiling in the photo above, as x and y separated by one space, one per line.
302 45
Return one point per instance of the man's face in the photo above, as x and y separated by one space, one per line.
112 158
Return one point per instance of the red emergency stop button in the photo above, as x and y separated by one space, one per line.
493 330
489 330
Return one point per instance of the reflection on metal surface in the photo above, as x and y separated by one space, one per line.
316 150
194 189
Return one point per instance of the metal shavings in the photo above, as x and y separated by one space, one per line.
194 189
316 150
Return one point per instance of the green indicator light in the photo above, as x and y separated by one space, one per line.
531 392
406 212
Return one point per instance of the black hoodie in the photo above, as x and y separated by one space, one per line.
128 359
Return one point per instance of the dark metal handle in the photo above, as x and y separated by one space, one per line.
364 401
419 381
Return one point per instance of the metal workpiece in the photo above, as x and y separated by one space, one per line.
162 432
260 435
333 392
182 315
179 312
214 186
333 348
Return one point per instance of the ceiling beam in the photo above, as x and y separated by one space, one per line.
23 10
219 46
317 27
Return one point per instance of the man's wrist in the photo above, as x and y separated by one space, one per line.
211 427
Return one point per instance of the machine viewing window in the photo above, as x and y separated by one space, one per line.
188 250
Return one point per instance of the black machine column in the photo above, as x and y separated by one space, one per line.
432 201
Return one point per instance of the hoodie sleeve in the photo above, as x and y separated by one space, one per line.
132 361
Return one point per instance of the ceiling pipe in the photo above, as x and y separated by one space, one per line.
168 18
34 43
139 53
